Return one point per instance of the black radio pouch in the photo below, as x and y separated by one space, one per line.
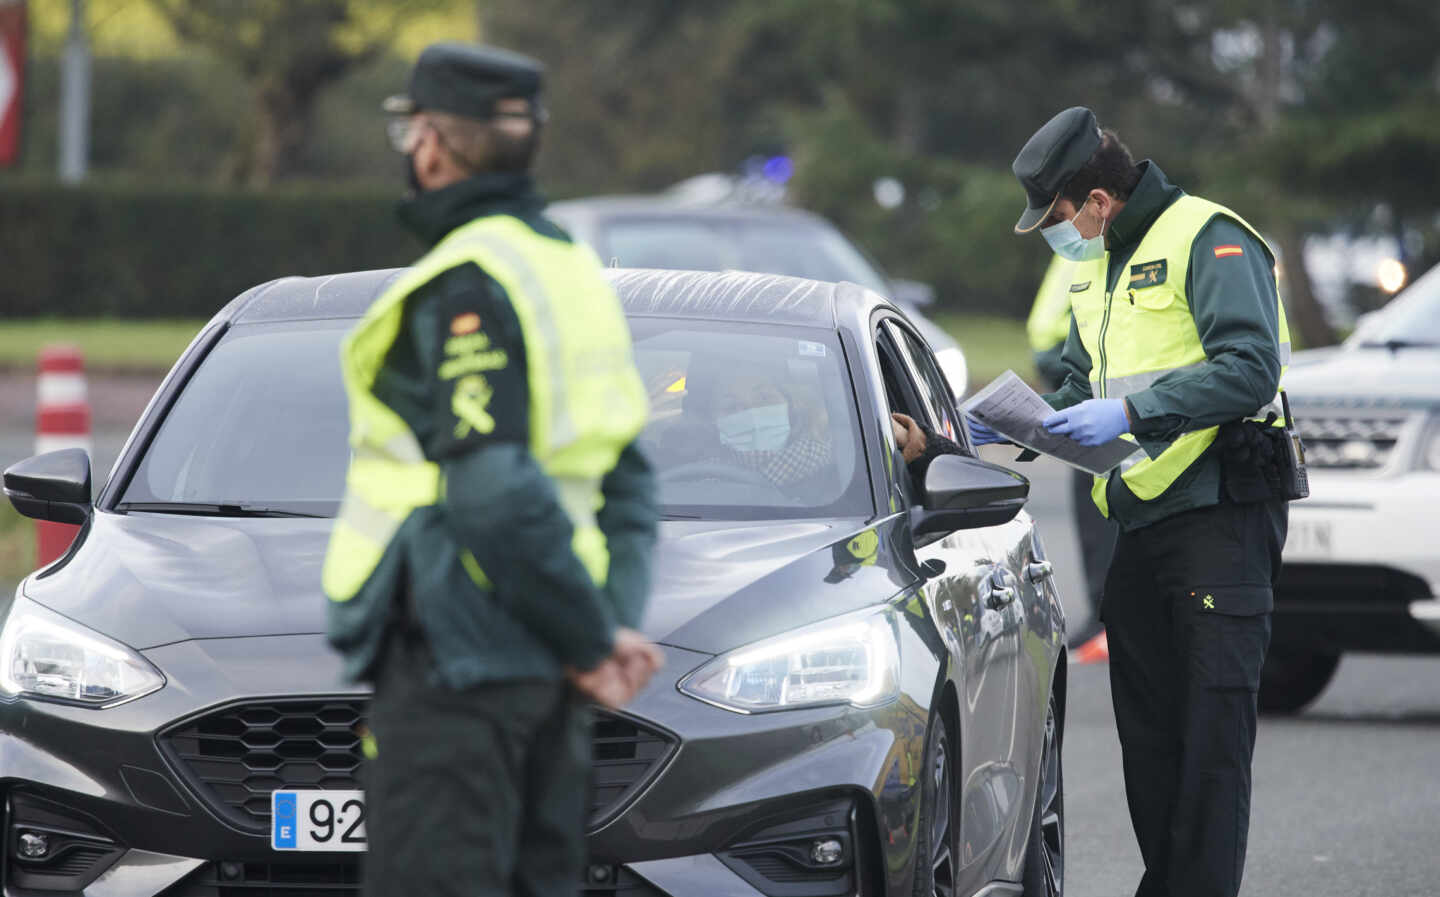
1260 461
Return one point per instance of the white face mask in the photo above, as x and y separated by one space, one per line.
763 429
1067 242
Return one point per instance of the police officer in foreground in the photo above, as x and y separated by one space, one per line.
495 538
1179 340
1047 328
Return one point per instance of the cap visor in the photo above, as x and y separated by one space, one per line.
399 105
1033 216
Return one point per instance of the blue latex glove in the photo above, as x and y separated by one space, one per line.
981 434
1092 422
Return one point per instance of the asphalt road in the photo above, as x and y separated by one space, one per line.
1347 796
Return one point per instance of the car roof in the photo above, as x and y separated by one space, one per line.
716 295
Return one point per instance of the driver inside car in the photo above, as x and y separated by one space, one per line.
756 419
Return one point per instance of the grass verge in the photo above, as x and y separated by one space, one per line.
992 345
108 343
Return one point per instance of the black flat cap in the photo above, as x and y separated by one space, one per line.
1050 158
466 79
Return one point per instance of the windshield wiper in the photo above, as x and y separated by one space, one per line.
1395 345
209 510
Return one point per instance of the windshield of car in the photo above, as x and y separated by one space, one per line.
261 423
747 422
793 248
1412 318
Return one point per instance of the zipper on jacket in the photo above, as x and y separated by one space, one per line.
1104 326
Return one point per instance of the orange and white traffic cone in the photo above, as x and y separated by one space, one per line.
62 420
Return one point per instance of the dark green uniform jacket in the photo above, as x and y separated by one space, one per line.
545 611
1236 315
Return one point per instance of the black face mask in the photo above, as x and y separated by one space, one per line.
411 181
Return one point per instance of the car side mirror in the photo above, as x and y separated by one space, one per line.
53 486
964 493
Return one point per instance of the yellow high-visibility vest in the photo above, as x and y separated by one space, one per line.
1049 323
586 400
1144 329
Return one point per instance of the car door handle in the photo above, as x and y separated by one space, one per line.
999 597
1039 570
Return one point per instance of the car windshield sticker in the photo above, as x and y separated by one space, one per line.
812 350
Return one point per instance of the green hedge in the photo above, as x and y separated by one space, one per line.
179 253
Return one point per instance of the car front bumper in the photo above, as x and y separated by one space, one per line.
1361 572
728 809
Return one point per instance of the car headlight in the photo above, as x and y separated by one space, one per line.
49 657
852 659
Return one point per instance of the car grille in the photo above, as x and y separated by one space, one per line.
1352 441
234 757
340 877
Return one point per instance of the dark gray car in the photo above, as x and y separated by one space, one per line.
865 678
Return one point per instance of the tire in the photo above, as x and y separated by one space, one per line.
937 833
1293 678
1044 874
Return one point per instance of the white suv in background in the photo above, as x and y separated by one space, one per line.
1362 569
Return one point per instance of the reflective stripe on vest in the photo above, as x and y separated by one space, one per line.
1143 329
586 399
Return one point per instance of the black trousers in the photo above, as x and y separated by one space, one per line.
1187 611
476 792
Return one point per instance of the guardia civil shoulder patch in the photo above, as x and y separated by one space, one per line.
1223 251
463 324
1148 274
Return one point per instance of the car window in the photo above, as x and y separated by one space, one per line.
262 421
931 384
669 243
750 421
1414 315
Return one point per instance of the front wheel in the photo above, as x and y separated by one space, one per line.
935 835
1293 678
1045 856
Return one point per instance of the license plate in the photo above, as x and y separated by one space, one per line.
326 821
1314 538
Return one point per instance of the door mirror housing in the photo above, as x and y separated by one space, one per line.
964 493
53 486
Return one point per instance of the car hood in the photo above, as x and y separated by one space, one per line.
1368 376
154 579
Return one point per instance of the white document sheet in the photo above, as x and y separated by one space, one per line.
1014 410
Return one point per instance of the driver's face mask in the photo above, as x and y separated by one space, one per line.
762 429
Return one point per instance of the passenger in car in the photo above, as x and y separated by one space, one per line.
919 445
755 419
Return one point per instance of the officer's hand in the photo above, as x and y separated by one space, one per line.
981 434
908 436
606 684
638 657
1092 422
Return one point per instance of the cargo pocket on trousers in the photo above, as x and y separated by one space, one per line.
1230 633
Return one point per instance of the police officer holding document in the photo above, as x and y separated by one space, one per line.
494 543
1178 341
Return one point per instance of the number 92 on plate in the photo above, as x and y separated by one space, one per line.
321 821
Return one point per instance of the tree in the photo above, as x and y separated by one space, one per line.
289 51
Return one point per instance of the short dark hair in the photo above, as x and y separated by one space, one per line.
1110 168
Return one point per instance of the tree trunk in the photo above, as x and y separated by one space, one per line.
283 130
1307 318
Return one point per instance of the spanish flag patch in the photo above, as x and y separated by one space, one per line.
1222 251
